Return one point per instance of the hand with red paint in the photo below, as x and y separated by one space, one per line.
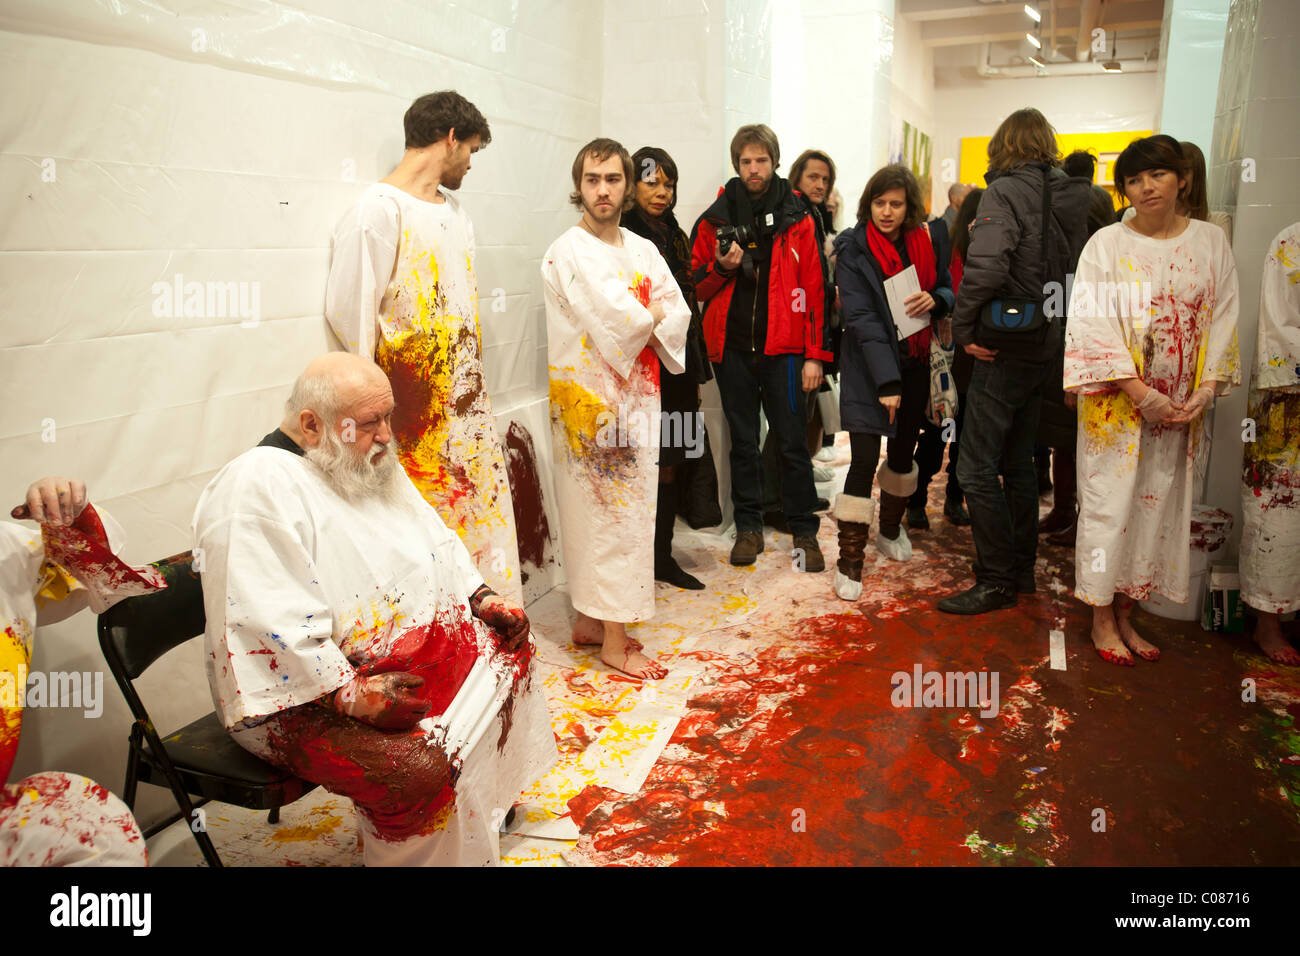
505 617
54 500
1199 401
385 701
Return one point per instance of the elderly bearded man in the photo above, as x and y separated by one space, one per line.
350 638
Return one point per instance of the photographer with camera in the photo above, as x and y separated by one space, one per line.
758 271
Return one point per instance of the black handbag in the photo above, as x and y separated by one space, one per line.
1019 324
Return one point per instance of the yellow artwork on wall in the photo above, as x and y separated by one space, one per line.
1106 146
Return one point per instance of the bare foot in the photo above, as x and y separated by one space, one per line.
633 663
1136 643
589 632
1105 638
1268 635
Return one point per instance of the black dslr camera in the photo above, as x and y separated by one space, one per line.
744 234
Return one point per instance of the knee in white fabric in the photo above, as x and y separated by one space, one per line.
894 483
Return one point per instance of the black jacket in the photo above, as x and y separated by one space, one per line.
869 357
1004 256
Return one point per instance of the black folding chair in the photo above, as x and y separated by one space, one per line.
200 758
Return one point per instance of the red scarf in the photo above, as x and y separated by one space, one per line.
955 268
921 252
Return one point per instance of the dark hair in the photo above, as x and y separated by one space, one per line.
600 149
894 176
647 160
1101 209
1198 203
796 171
1080 163
1151 152
961 224
434 115
755 134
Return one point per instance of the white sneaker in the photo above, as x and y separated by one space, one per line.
900 549
825 453
846 588
823 474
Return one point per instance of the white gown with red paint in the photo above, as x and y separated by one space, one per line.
304 589
54 818
605 423
1136 480
1270 494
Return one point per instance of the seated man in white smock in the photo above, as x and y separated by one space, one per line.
351 639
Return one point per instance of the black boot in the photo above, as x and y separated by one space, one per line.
666 568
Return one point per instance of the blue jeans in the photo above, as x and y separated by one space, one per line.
748 381
997 436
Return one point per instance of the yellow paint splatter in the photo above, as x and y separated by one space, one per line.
579 409
320 822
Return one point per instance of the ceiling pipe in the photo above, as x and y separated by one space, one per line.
1089 18
984 69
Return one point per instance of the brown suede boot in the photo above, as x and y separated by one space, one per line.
895 489
854 515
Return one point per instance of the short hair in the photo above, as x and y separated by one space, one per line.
1023 137
755 134
1080 163
317 393
894 176
600 149
955 188
966 213
1198 202
796 170
1101 209
432 116
1151 152
647 160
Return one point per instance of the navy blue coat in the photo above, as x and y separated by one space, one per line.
869 355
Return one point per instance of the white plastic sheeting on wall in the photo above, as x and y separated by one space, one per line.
154 143
1254 167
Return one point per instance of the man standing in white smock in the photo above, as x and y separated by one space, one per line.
611 305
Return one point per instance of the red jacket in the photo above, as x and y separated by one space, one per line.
796 265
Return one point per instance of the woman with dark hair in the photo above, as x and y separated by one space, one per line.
1152 339
1195 204
885 382
651 216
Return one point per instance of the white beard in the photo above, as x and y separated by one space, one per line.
355 478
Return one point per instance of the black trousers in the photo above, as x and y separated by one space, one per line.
901 449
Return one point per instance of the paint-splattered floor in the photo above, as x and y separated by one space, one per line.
774 739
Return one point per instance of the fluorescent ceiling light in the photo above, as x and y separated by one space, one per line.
1033 14
1037 44
1113 66
1038 63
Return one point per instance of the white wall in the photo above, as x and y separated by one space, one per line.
1073 104
216 140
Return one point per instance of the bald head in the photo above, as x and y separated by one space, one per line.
340 391
956 193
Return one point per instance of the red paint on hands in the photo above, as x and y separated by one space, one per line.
384 700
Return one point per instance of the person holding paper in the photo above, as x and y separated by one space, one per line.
893 288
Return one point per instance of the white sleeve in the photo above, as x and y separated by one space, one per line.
1222 356
364 253
270 626
1277 354
597 302
1096 348
669 338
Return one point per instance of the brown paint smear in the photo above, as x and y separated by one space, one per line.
534 531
